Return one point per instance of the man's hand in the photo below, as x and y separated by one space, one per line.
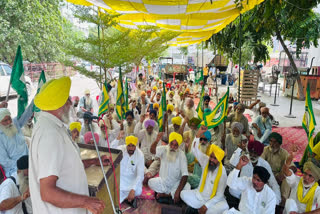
176 197
259 132
25 195
244 160
292 154
94 205
202 130
203 209
4 104
121 135
142 118
131 195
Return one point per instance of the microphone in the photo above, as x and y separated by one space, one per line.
89 116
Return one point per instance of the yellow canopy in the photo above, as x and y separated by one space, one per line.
197 20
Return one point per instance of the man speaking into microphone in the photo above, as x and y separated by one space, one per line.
58 182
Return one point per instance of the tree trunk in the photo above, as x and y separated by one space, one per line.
293 64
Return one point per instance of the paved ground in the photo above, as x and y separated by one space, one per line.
80 83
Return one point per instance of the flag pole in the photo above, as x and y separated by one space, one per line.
8 92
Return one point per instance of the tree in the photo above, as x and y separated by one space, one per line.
36 25
113 46
292 21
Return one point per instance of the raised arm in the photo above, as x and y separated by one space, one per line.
155 143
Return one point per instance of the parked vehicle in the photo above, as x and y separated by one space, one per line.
5 73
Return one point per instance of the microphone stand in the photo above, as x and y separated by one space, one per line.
115 211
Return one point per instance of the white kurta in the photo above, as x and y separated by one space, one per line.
293 204
145 143
194 198
8 189
170 172
251 202
131 172
52 152
247 171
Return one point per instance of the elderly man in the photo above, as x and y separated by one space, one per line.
255 149
208 197
262 126
12 141
175 126
74 129
170 114
239 117
131 170
233 139
74 109
146 137
173 170
11 199
170 99
141 124
86 128
58 182
276 157
193 125
305 191
108 129
86 103
204 146
188 109
256 196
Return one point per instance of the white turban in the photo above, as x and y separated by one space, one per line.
3 113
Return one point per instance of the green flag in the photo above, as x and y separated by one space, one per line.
104 103
42 80
218 114
18 82
199 76
162 109
126 95
120 103
308 123
200 104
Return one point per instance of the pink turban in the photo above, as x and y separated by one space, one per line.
88 137
75 98
149 123
256 146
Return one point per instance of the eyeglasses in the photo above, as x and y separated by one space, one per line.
203 139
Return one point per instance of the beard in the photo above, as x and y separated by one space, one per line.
129 128
306 186
212 166
88 101
254 159
237 117
149 136
189 113
235 140
264 119
65 117
203 148
23 182
9 130
77 140
171 154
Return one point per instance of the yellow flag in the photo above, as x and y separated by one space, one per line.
104 103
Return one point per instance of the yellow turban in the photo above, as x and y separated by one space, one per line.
131 140
53 94
154 88
170 107
87 91
219 153
176 120
175 136
75 125
155 105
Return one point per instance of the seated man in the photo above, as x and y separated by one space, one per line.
74 129
131 170
146 137
255 149
305 191
208 197
262 126
276 157
11 199
141 124
232 139
204 146
256 196
173 170
239 117
170 113
175 126
241 150
12 141
86 128
109 128
88 138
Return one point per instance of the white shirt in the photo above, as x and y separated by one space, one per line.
211 176
247 171
145 143
252 202
8 189
52 152
171 172
293 182
131 169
